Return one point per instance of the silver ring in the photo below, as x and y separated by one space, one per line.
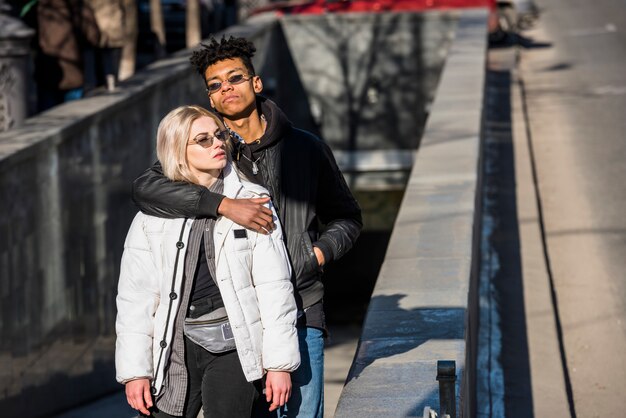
263 228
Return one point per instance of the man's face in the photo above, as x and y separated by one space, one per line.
232 100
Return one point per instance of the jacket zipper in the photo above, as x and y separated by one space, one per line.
179 246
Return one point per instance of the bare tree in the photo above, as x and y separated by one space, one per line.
193 30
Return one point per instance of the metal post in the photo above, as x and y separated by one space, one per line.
446 375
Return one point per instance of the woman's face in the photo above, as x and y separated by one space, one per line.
211 159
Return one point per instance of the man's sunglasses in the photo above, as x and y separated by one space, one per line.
214 86
205 141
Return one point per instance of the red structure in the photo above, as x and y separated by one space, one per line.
347 6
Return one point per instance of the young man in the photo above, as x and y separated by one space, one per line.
321 219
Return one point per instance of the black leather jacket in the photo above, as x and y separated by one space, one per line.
313 201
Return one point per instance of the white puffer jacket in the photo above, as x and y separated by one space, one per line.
253 275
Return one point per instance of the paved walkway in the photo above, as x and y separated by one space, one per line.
574 96
560 292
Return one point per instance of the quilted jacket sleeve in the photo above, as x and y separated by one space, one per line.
271 273
137 300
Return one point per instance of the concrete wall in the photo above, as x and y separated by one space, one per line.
369 81
423 307
65 202
370 78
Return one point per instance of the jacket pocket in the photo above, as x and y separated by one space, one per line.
311 264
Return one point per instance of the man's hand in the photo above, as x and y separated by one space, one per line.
320 256
138 395
249 213
277 389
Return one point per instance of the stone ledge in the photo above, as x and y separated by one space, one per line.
420 305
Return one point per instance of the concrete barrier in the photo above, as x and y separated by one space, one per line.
423 307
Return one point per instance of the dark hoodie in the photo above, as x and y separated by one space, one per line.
244 154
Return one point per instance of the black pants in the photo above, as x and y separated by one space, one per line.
217 383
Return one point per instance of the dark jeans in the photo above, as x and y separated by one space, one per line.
217 383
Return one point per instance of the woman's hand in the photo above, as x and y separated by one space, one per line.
138 395
277 389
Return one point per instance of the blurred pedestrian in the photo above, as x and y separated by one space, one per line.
66 28
230 13
110 18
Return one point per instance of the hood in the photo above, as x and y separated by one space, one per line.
277 128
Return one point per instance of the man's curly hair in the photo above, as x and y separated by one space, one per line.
214 51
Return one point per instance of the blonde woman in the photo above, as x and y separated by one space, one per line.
205 307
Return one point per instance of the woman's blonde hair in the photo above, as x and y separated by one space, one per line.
172 137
